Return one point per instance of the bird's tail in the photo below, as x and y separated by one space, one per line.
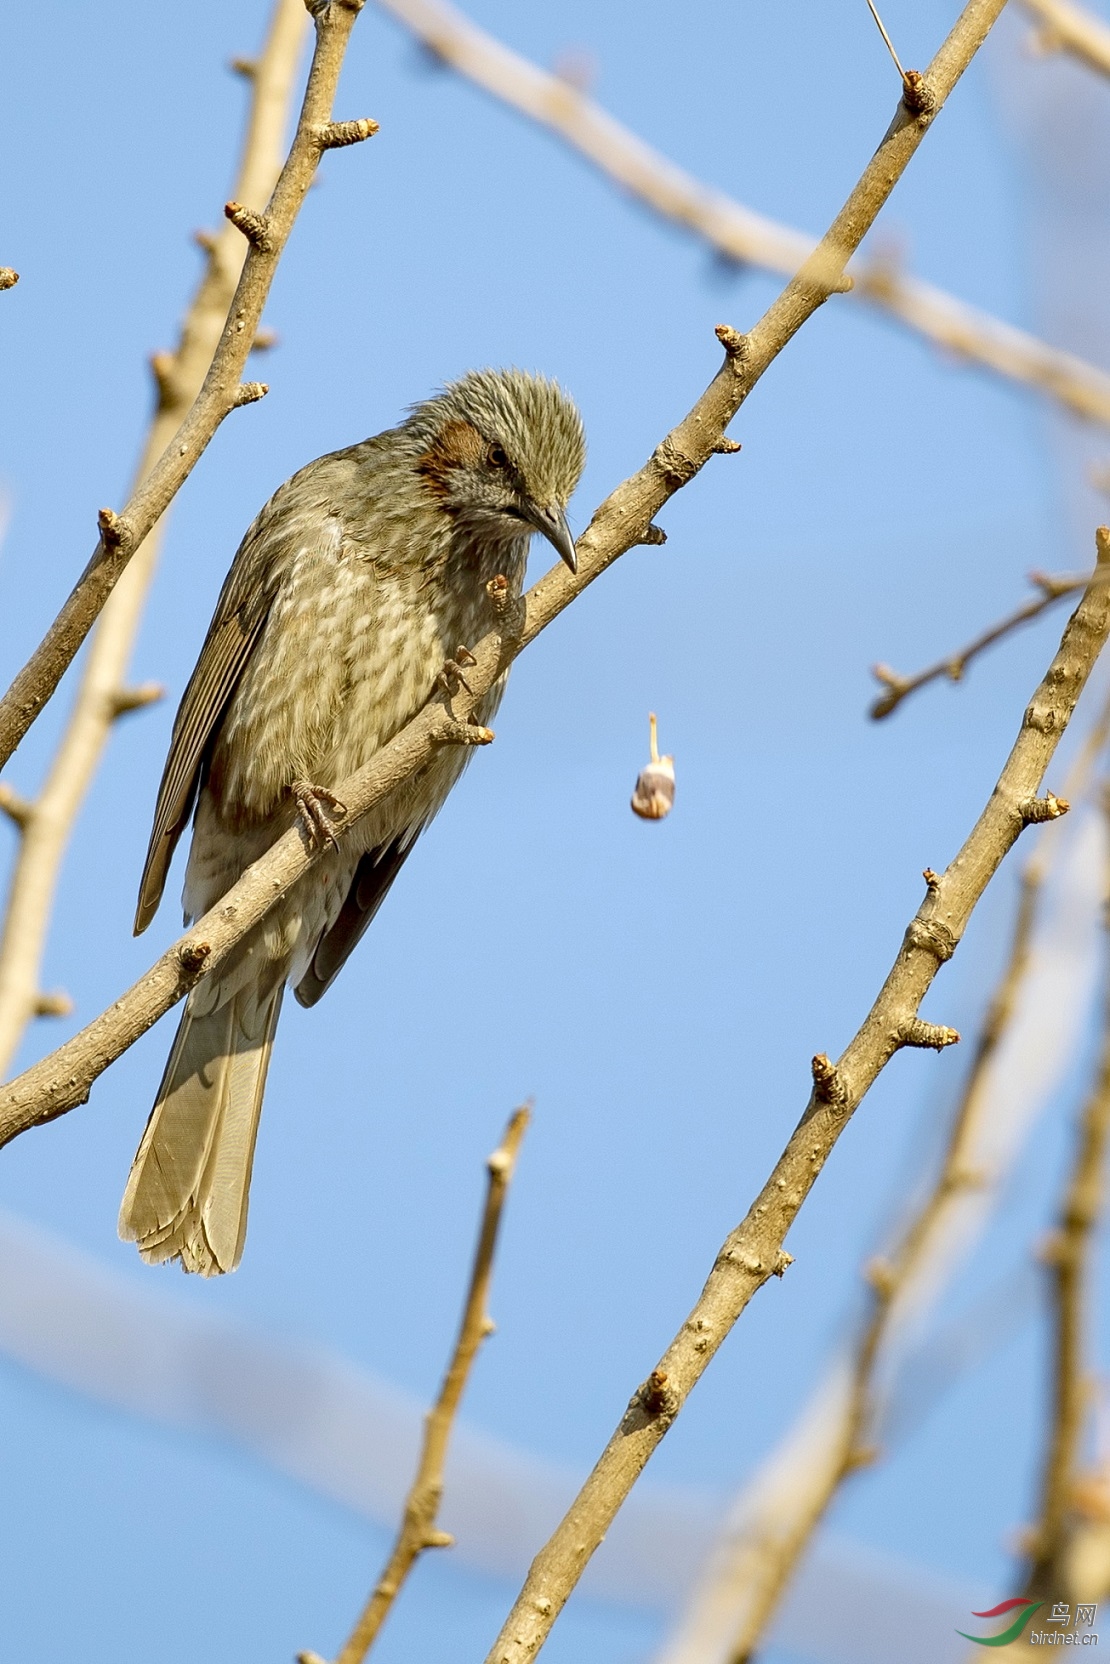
189 1187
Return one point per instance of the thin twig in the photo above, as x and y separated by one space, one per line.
1068 1257
754 1250
1069 28
418 1527
221 391
734 231
1052 589
622 522
889 43
47 821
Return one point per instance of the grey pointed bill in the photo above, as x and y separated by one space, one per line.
552 522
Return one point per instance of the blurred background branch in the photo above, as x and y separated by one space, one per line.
1065 27
44 823
738 233
220 390
1068 1561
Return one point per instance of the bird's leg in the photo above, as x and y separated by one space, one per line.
313 803
451 678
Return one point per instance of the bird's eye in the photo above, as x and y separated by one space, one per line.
496 457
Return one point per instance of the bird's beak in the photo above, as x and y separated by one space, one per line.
552 522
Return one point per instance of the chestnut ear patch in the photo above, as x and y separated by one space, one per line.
456 445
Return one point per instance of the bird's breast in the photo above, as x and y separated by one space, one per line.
350 651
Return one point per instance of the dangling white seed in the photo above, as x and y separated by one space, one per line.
653 798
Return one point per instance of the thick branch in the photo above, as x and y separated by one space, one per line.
755 1599
47 822
836 1433
735 232
1052 589
1069 28
418 1527
218 395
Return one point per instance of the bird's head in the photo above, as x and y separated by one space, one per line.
503 451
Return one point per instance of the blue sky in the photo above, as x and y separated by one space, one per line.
659 990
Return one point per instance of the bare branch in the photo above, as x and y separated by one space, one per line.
219 393
753 1566
1069 28
418 1527
837 1432
1068 1255
64 1079
1052 589
102 697
737 232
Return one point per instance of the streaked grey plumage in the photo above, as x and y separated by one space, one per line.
358 580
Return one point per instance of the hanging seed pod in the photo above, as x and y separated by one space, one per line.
653 798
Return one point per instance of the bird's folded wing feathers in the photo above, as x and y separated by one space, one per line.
369 887
240 614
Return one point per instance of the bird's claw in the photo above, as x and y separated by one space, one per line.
451 678
313 803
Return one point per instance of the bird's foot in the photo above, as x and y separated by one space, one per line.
451 678
313 803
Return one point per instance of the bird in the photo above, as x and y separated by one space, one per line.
362 577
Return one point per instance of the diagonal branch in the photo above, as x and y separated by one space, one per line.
220 393
45 824
1066 27
835 1436
738 233
418 1527
1052 589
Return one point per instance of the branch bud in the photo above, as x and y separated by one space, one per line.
255 227
114 529
57 1004
918 1033
18 809
335 134
735 344
917 95
828 1088
1049 807
249 392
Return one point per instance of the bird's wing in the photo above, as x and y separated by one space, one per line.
240 614
373 876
